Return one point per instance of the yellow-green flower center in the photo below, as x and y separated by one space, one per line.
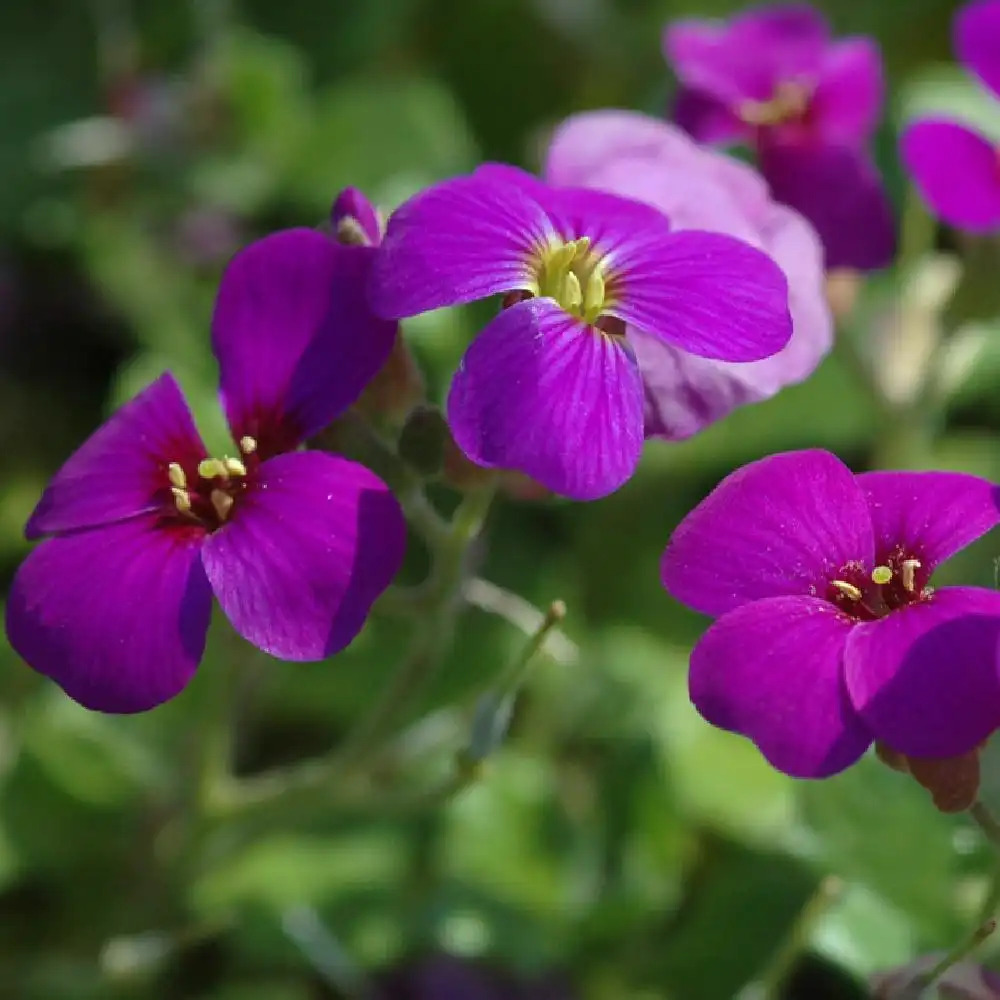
574 276
789 102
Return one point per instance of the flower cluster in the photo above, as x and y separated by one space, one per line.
953 165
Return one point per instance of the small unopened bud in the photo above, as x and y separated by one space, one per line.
952 781
397 387
422 440
355 220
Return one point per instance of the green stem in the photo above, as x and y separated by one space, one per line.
986 822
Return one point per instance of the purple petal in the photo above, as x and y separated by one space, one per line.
706 293
117 615
294 336
848 99
708 119
307 550
783 525
930 515
458 241
977 40
121 469
926 678
352 204
540 392
748 57
840 192
957 172
772 671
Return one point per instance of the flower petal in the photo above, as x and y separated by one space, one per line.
931 515
926 678
294 336
977 40
706 293
461 240
708 119
772 671
849 95
540 392
956 170
783 525
117 615
841 193
121 469
352 204
307 550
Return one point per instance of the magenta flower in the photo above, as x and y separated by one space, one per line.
631 154
144 525
773 79
955 168
829 636
551 387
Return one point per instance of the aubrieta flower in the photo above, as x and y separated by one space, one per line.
551 387
144 525
641 157
954 167
829 636
773 79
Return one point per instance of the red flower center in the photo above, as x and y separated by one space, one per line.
866 595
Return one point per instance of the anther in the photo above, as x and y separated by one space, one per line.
849 591
881 575
176 475
182 501
593 296
234 466
222 502
909 572
212 468
561 259
582 247
248 445
572 293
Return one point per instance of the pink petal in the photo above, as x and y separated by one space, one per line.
121 469
850 93
709 120
117 615
783 525
307 550
772 671
926 678
461 240
977 40
956 170
295 338
706 293
540 392
932 515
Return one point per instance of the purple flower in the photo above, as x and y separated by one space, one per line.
631 154
144 525
955 168
964 981
829 636
773 79
355 220
551 387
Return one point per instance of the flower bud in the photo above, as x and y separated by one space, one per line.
397 387
355 220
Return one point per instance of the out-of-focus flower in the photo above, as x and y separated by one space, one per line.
144 525
551 386
828 634
443 977
205 237
955 168
964 981
773 78
631 154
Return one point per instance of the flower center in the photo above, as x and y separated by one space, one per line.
788 103
207 494
574 276
899 581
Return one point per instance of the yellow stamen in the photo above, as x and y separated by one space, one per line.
847 589
248 445
881 575
909 570
561 258
181 499
234 466
582 247
572 293
593 296
222 502
212 468
176 475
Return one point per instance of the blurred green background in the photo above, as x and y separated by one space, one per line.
615 836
